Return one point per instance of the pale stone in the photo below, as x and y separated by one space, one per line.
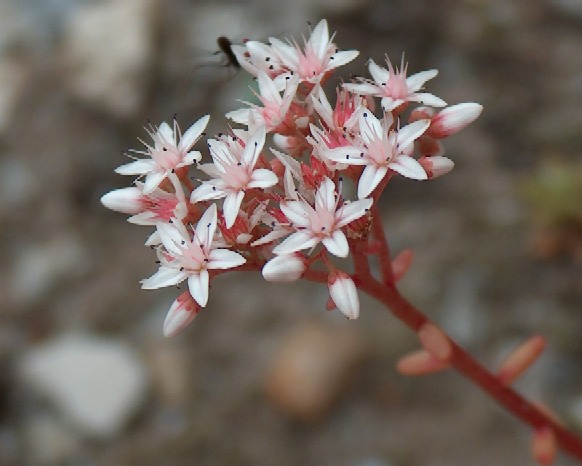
312 369
109 49
96 384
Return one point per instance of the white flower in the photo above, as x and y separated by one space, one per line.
395 88
321 223
344 294
382 150
234 172
191 258
170 151
318 57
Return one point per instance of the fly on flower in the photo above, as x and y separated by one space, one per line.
225 47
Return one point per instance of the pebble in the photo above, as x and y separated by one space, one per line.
97 384
312 368
109 49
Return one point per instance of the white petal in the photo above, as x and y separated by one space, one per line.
350 155
371 127
320 39
388 103
240 116
408 167
152 181
207 191
224 259
286 53
341 58
362 88
263 178
192 134
165 276
170 238
409 133
324 197
231 207
253 147
416 81
337 244
137 167
206 226
427 99
297 212
284 268
369 180
290 164
268 89
181 314
296 242
352 211
198 286
166 133
190 158
124 200
344 294
270 237
379 74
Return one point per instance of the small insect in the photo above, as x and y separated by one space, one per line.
225 46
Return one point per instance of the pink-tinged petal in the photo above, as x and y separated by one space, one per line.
436 166
284 268
253 147
286 53
198 286
263 178
231 207
206 226
297 212
362 88
425 98
369 180
153 239
182 312
416 81
209 190
352 211
337 244
341 58
144 218
224 259
270 237
152 181
322 106
320 39
409 133
349 155
125 200
289 163
325 196
379 74
137 167
344 294
192 134
296 242
210 169
408 167
165 276
453 119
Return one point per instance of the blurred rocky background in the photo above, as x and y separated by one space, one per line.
265 376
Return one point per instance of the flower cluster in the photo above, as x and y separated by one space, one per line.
275 193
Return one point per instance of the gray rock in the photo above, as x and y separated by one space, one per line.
96 384
109 49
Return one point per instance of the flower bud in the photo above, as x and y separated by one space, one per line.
436 166
124 200
453 119
342 290
284 268
181 313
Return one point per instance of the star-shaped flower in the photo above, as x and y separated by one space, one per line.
322 222
171 150
234 172
190 258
